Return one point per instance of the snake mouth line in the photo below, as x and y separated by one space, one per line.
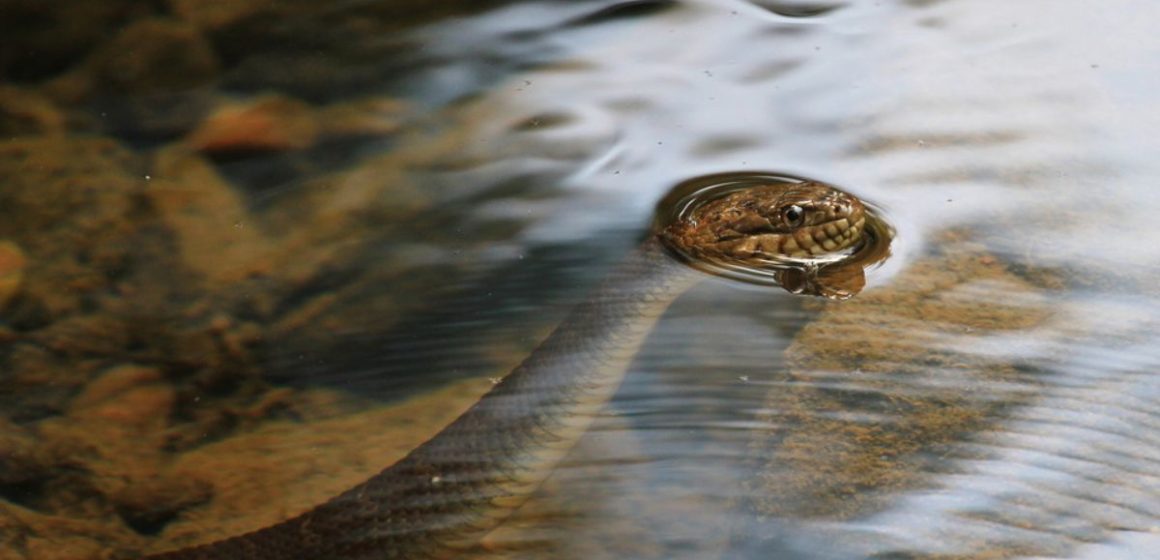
840 237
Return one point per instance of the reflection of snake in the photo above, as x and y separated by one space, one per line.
447 493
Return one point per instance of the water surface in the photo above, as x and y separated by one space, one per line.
991 394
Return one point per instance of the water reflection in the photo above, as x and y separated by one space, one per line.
985 155
989 394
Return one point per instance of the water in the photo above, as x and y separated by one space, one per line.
990 394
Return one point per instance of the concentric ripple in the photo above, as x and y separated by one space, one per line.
821 266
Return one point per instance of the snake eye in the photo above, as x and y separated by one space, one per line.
793 215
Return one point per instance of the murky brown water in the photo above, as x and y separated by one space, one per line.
249 256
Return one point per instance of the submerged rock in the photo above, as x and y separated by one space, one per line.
12 264
26 113
152 56
43 38
69 203
215 16
150 80
270 123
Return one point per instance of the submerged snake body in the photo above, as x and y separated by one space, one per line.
450 491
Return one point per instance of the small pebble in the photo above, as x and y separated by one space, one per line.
12 265
115 382
270 123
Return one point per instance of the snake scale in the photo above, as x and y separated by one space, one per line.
444 496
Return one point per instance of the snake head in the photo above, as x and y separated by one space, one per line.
771 222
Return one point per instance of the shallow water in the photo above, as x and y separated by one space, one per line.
992 392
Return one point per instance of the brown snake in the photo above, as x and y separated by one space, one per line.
444 496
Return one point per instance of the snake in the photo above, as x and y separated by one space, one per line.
442 498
